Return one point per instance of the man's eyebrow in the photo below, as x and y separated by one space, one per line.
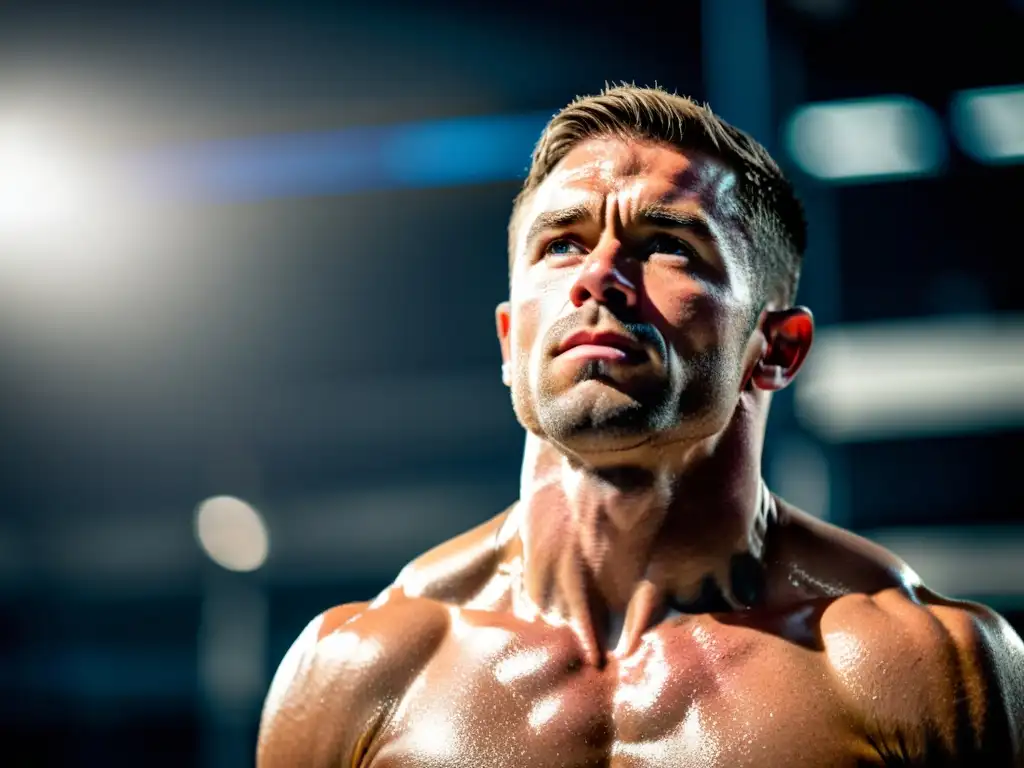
666 217
653 215
563 217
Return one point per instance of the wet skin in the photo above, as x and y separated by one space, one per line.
859 665
646 601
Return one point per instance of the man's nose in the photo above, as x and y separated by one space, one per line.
601 278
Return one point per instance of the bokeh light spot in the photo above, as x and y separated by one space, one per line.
232 533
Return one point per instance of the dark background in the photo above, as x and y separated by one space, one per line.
260 296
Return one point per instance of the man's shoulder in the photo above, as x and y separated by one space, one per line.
824 560
929 674
934 679
359 642
456 570
348 667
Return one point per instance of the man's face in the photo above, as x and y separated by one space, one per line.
631 307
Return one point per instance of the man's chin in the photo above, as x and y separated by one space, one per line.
595 417
603 443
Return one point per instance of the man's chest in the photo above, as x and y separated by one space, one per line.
688 696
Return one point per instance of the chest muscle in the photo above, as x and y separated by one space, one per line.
686 697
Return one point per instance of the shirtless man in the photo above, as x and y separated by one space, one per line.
647 601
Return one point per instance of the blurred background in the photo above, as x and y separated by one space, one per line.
249 255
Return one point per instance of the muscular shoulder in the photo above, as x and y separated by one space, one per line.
342 676
811 558
456 570
933 680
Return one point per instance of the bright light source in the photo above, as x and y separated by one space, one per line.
989 123
40 187
232 533
885 137
899 379
84 255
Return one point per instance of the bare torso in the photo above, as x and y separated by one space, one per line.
500 692
846 662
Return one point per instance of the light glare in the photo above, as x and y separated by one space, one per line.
40 188
884 137
232 533
989 123
901 378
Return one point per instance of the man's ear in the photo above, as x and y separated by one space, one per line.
503 320
788 334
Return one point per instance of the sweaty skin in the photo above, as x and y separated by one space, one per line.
647 601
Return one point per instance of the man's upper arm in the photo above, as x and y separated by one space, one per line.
288 726
339 680
936 681
991 655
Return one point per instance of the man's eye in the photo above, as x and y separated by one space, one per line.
669 246
563 247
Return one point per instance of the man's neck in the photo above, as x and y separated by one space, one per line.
613 551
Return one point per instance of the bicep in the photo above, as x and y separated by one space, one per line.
289 734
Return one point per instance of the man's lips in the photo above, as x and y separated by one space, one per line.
605 345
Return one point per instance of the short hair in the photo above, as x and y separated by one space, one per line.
772 215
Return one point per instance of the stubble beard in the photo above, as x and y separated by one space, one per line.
582 418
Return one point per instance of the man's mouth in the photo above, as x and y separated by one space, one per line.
603 345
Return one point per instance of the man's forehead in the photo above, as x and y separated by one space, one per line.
645 171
